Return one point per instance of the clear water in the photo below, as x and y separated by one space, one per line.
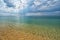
37 20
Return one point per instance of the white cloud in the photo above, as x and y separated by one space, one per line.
35 14
37 2
37 5
57 13
19 5
45 4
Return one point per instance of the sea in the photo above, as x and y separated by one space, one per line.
35 20
48 26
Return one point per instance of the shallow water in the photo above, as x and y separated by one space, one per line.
42 28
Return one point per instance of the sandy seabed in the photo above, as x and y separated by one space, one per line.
10 32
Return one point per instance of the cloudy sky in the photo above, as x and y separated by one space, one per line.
30 7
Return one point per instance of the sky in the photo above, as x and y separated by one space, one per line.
30 7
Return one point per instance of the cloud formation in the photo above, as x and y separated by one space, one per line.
32 7
46 5
12 6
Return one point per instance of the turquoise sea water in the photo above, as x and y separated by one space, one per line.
43 26
36 20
